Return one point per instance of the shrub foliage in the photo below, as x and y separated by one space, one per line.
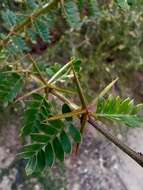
50 125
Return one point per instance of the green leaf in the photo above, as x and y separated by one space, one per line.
131 2
25 155
53 69
59 152
123 111
94 9
49 155
123 4
72 14
81 4
65 141
31 4
66 109
31 147
42 138
40 161
10 18
42 29
10 86
74 132
20 44
37 110
31 165
77 65
57 124
32 35
48 129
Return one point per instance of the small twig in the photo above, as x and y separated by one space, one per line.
39 74
30 93
51 87
64 99
37 69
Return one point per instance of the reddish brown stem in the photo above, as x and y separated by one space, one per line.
138 157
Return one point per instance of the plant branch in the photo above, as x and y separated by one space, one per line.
51 87
84 116
38 70
27 22
39 74
138 157
83 121
64 99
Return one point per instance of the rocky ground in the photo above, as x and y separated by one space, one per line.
99 166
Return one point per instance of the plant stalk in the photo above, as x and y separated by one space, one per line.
64 99
138 157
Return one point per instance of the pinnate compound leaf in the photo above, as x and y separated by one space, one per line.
37 110
20 44
50 140
72 9
122 111
10 86
42 30
94 9
10 18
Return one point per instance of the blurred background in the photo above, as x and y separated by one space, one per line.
110 45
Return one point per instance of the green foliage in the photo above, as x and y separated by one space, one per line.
11 84
94 8
118 110
124 4
10 18
72 14
52 69
37 110
50 140
31 4
42 30
66 109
